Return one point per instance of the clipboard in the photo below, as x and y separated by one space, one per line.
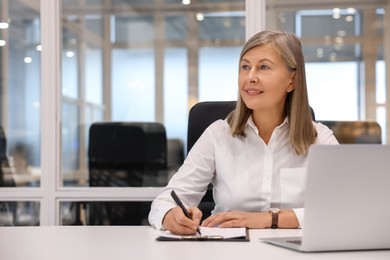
214 237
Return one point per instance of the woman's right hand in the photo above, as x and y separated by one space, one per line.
177 223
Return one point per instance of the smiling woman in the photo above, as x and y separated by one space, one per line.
273 63
264 80
246 155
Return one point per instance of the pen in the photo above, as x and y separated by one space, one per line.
180 204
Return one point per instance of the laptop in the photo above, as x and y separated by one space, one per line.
347 200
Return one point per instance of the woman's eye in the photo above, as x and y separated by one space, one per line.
245 67
264 67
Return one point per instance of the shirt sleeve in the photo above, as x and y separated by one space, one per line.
157 214
299 213
324 134
190 182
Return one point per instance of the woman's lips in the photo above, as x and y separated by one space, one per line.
253 92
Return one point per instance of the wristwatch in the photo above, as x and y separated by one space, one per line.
275 217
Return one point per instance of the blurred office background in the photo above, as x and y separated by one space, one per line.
148 62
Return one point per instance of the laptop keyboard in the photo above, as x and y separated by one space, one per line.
297 242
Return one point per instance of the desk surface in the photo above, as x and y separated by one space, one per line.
138 242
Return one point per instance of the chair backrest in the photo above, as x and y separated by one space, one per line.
6 178
202 115
355 132
175 155
3 145
127 154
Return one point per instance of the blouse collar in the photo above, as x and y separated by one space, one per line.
251 124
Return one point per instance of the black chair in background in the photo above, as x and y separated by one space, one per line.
125 155
175 155
3 156
7 208
6 178
202 115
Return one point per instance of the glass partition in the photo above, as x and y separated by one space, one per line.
104 213
141 62
340 44
19 213
20 88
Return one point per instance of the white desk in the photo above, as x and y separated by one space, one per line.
138 242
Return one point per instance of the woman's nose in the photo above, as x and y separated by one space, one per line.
252 76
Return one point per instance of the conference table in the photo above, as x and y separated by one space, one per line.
139 242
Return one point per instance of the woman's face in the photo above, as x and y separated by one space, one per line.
264 80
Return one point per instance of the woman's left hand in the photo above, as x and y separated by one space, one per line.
239 219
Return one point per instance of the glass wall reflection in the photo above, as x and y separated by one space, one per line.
145 62
20 88
104 213
19 213
340 47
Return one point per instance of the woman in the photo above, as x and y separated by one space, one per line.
255 158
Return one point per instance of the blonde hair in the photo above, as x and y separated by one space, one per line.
301 130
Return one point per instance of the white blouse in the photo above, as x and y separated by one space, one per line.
247 174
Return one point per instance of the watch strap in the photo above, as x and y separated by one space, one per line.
275 217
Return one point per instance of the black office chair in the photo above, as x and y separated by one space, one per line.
125 155
175 155
6 179
201 115
7 208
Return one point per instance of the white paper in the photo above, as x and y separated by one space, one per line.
206 231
